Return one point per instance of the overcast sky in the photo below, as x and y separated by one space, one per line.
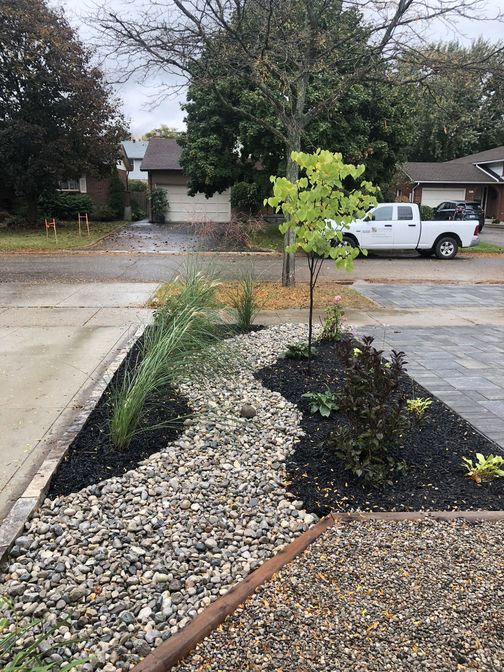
137 104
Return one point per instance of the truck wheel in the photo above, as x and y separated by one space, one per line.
346 240
446 247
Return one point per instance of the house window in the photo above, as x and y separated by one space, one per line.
69 185
398 192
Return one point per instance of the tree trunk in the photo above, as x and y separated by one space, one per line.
292 172
311 265
31 210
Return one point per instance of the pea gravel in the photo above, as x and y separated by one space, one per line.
373 596
134 558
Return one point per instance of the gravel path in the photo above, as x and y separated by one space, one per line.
375 596
136 557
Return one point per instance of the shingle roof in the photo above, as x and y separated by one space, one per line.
135 149
446 172
496 154
162 154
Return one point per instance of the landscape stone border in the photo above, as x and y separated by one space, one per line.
36 490
171 652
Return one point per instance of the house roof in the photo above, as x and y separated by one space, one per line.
446 172
496 154
162 154
135 149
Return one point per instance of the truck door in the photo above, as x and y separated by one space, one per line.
407 228
378 230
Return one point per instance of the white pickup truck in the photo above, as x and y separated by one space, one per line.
397 226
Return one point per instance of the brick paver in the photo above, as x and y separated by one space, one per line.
427 295
462 366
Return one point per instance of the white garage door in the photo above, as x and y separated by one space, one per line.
434 196
184 208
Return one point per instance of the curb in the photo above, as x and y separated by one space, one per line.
171 652
33 495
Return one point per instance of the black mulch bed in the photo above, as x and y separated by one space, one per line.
92 457
433 452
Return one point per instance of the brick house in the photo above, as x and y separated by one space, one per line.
97 188
477 177
161 164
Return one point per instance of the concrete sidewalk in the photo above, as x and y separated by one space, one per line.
56 342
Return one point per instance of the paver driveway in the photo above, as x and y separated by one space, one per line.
427 295
462 365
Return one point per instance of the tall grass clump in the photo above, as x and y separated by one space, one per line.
182 341
244 301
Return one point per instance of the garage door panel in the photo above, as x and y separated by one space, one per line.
433 196
182 207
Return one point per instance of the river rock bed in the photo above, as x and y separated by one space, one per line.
134 558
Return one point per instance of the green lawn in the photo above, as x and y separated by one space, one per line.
483 247
68 236
269 238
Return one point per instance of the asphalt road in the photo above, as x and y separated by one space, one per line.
158 267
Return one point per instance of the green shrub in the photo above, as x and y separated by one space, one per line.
322 402
15 222
417 409
485 469
65 206
159 204
137 213
374 409
246 196
426 213
116 197
137 185
102 213
297 351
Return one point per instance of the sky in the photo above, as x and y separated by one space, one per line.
137 97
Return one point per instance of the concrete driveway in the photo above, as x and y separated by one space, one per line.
56 342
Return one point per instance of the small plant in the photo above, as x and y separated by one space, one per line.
322 402
375 412
29 659
298 351
244 302
485 469
334 319
417 408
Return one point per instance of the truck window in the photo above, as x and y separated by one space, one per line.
383 213
404 212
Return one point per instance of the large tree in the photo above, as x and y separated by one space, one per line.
459 110
372 125
278 47
58 119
